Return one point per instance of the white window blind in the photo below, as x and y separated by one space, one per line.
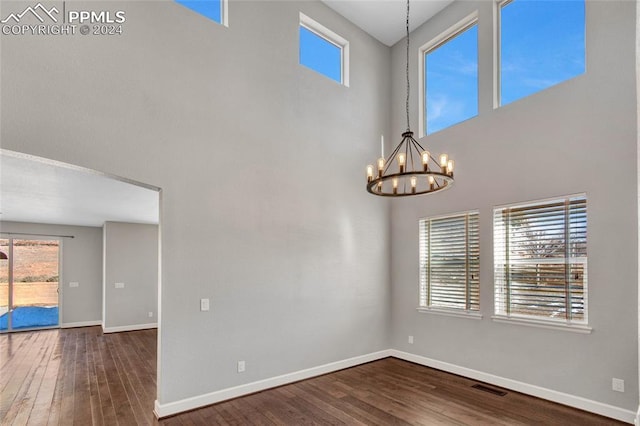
540 260
450 262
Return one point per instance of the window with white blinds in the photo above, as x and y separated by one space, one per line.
540 260
450 262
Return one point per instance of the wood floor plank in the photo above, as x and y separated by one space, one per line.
67 399
132 366
21 380
34 382
94 392
17 362
56 400
107 408
82 391
12 344
121 402
44 399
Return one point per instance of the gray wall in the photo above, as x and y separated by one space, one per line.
261 162
579 136
130 258
81 263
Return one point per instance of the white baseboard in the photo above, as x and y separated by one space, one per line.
637 419
80 324
171 408
133 327
540 392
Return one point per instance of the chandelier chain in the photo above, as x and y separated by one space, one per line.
407 71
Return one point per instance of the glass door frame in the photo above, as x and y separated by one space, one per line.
10 299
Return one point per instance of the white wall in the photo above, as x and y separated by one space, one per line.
261 162
81 263
130 258
579 136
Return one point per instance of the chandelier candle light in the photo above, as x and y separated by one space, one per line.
410 169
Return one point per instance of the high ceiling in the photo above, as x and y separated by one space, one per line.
44 191
385 19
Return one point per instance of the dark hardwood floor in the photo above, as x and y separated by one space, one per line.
82 377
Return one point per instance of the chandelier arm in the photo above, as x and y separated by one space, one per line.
418 143
416 146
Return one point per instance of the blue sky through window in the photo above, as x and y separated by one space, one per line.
542 44
320 55
451 89
212 9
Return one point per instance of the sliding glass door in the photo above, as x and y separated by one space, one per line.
29 284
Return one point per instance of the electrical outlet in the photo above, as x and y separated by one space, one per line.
74 284
204 305
241 367
150 314
119 285
617 385
411 339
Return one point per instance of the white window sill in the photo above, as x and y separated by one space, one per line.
450 312
553 325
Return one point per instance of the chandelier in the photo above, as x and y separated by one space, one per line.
410 169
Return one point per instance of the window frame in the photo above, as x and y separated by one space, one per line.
224 16
497 55
441 39
331 37
224 12
423 302
578 326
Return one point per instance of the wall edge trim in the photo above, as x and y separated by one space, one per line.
133 327
80 324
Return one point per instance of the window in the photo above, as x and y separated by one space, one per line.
449 66
324 51
541 44
212 9
540 260
450 262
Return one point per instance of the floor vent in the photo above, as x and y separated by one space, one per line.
490 390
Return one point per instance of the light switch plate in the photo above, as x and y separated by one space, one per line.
119 285
74 284
204 305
